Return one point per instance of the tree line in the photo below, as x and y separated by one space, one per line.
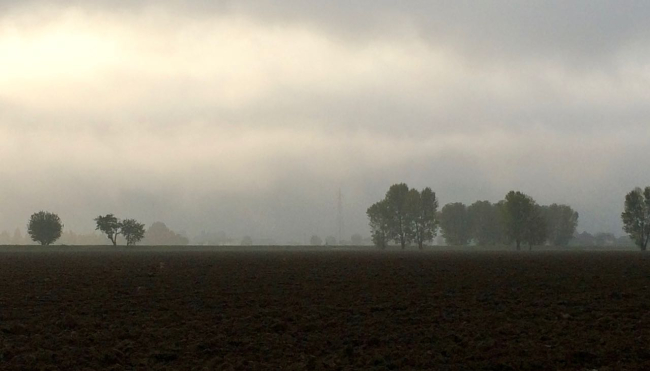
517 220
46 227
408 216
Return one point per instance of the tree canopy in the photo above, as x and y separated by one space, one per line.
422 208
404 216
110 226
379 224
44 227
636 216
455 224
132 231
561 223
397 208
486 223
523 220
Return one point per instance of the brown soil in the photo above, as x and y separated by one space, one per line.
324 311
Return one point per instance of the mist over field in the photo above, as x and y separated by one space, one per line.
249 116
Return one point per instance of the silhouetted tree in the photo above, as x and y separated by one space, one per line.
422 208
132 231
397 208
536 229
522 218
379 217
110 226
486 223
561 223
636 216
455 224
315 241
44 227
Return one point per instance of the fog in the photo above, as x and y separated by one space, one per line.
248 117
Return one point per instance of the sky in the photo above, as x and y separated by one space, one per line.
248 116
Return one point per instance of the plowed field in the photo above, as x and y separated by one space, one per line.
331 310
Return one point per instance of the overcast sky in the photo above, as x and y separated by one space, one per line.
248 116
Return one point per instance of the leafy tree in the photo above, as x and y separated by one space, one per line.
356 239
422 208
486 224
455 224
110 226
397 209
536 228
132 231
44 227
315 241
379 217
636 216
561 223
522 218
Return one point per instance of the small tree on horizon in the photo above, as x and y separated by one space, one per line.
397 208
536 229
132 231
636 217
561 223
422 208
44 227
523 221
486 223
379 224
110 226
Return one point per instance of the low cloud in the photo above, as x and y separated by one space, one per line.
229 116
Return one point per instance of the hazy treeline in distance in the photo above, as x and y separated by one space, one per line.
404 217
408 216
